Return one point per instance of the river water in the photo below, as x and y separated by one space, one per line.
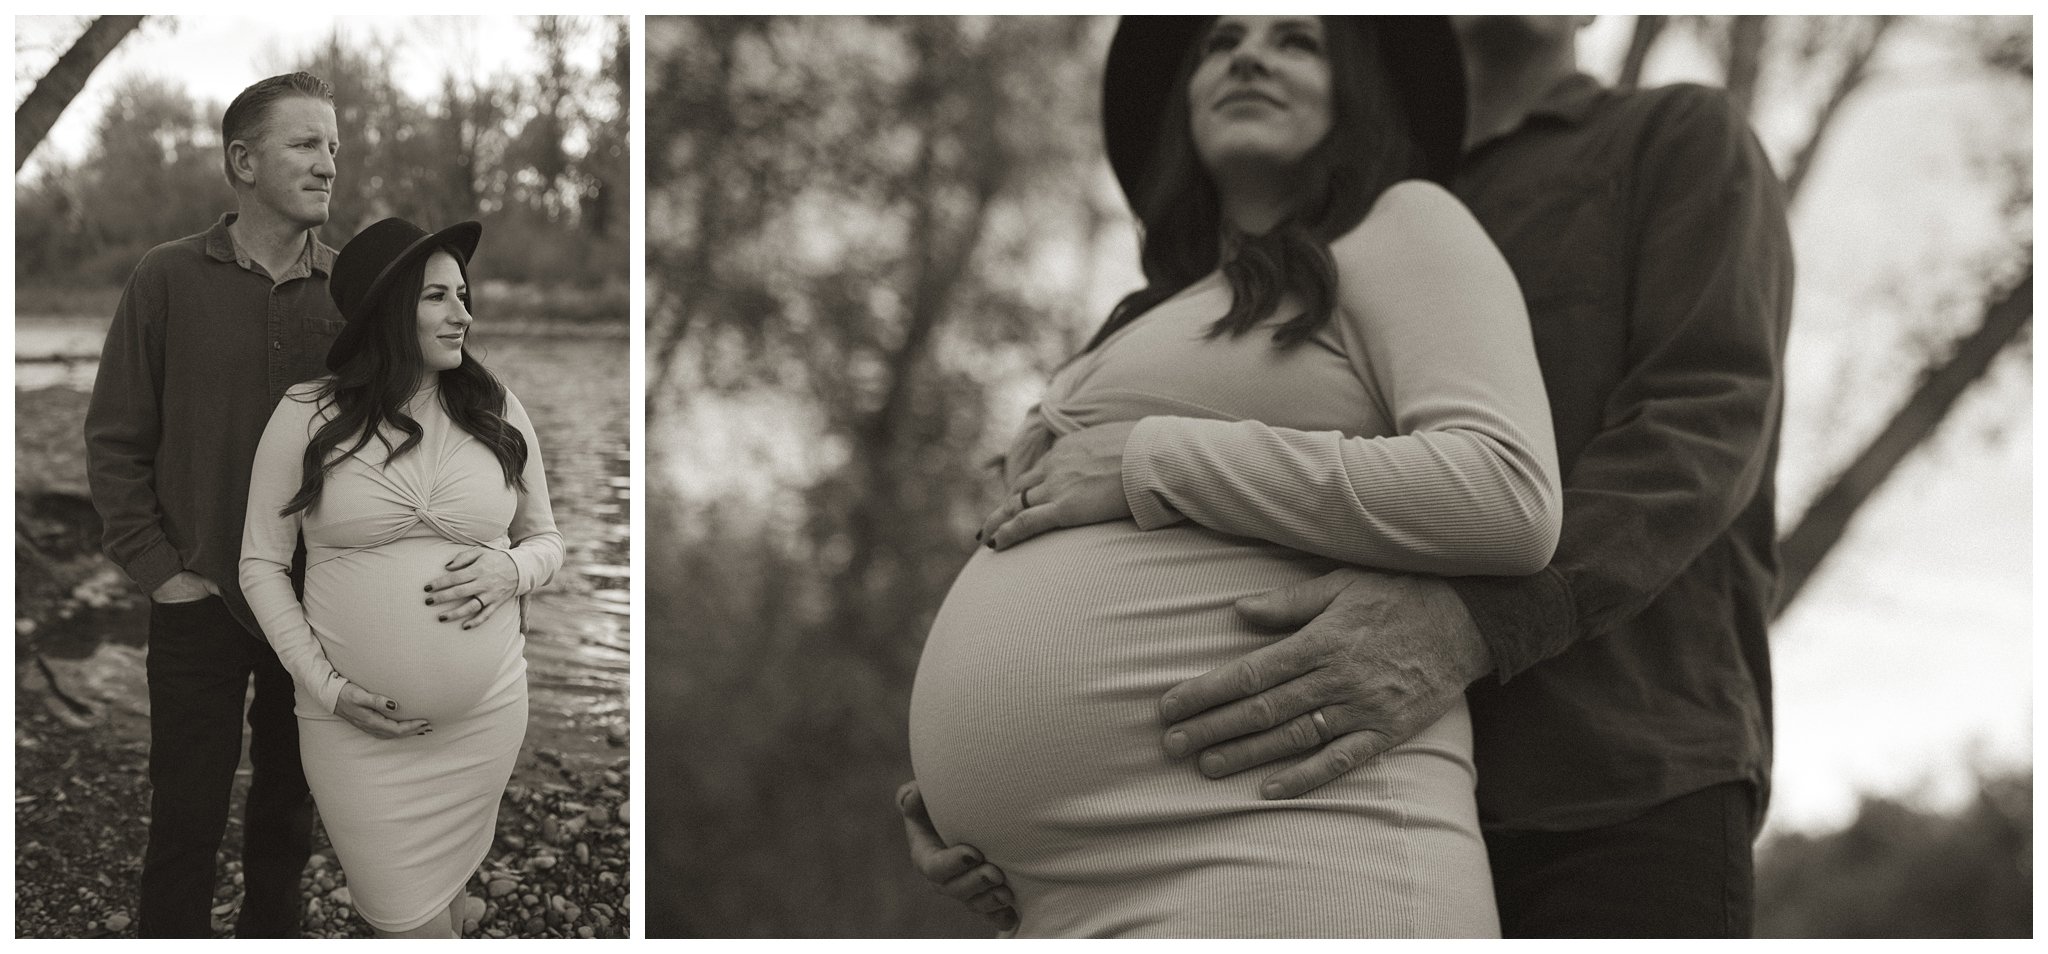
575 386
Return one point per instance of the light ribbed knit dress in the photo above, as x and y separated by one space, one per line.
411 817
1034 724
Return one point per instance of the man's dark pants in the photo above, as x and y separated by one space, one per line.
200 661
1682 869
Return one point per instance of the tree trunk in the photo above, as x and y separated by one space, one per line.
1827 519
36 114
1852 76
1745 60
1647 30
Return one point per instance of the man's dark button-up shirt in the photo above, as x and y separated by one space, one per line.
1648 233
202 347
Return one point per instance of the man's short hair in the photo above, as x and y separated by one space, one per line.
251 108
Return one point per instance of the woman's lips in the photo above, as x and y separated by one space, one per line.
1248 96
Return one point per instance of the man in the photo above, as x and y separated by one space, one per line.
1623 743
210 332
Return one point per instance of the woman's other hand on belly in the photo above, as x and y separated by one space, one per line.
367 711
955 871
478 581
1078 481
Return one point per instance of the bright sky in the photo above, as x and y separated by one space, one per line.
215 57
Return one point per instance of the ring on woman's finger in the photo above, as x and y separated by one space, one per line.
1024 497
1323 733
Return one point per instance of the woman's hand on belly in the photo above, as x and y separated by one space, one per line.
478 581
1079 481
955 871
366 710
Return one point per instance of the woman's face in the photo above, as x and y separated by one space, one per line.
1260 95
443 313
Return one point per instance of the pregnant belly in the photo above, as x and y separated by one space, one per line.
1035 717
368 607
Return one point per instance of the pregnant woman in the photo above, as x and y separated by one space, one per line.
416 480
1310 284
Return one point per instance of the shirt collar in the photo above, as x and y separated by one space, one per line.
317 258
1570 99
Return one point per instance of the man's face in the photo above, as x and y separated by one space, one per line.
289 167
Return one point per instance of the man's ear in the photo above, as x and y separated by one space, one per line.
242 161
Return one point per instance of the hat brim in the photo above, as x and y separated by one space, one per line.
464 236
1145 55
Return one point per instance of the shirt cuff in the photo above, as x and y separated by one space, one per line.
1524 619
151 568
1141 476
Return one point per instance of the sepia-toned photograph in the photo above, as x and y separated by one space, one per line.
322 474
1348 476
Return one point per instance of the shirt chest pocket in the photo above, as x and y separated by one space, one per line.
309 352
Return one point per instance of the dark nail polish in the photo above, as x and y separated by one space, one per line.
388 704
442 618
430 588
430 601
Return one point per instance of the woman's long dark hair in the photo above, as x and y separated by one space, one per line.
371 390
1181 216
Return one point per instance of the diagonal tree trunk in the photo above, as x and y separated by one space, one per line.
36 114
1647 30
1827 518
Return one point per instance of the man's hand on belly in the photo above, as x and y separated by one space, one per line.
478 581
368 711
1376 658
955 871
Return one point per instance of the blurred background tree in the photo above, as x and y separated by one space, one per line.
540 159
869 242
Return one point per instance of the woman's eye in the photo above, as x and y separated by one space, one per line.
1303 42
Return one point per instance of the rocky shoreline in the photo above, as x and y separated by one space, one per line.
558 868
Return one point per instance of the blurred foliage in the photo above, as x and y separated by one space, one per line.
1897 871
853 213
540 159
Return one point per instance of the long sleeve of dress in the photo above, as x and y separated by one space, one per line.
267 543
1435 324
536 549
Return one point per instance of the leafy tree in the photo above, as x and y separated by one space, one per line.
851 213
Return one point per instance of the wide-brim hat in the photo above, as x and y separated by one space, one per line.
1420 54
368 263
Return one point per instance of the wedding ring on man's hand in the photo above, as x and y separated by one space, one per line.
1024 498
1323 733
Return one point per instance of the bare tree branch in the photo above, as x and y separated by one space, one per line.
1803 549
36 114
1853 72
